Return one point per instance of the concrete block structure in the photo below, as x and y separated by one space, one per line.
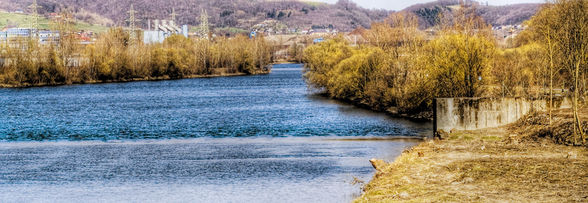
479 113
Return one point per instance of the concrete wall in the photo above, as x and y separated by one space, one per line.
480 113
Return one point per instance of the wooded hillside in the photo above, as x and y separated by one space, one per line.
344 15
494 15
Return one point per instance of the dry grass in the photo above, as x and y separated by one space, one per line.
536 126
494 165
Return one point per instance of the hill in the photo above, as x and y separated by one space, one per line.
23 20
243 14
514 14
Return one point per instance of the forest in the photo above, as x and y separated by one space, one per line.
512 14
401 69
117 56
244 14
344 15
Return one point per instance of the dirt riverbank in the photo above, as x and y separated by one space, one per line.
514 164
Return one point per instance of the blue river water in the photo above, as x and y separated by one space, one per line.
264 138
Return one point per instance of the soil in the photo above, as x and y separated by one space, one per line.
518 163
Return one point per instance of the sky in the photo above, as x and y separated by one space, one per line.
401 4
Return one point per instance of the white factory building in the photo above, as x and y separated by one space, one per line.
161 29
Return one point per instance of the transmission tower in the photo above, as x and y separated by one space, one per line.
34 16
204 29
173 15
132 20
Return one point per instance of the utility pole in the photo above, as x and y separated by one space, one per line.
132 26
173 15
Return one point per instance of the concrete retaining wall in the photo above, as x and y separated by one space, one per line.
480 113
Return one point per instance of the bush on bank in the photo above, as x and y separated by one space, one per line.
399 68
115 57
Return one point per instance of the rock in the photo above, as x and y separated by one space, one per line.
379 165
468 180
572 155
513 139
406 180
393 110
441 134
403 195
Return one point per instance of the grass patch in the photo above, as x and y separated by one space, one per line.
23 20
90 27
461 136
314 3
492 138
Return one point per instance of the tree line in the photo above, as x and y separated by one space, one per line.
116 56
400 68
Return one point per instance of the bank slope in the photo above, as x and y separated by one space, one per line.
489 165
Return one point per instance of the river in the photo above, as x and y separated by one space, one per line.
263 138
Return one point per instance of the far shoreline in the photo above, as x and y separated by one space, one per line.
161 78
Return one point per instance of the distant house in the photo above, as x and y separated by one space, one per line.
3 36
318 40
54 16
18 32
12 35
47 36
319 31
322 32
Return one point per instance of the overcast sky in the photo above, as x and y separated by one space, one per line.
401 4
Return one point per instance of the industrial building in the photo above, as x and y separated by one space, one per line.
161 29
45 36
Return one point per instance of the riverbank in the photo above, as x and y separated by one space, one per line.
511 163
222 74
421 116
